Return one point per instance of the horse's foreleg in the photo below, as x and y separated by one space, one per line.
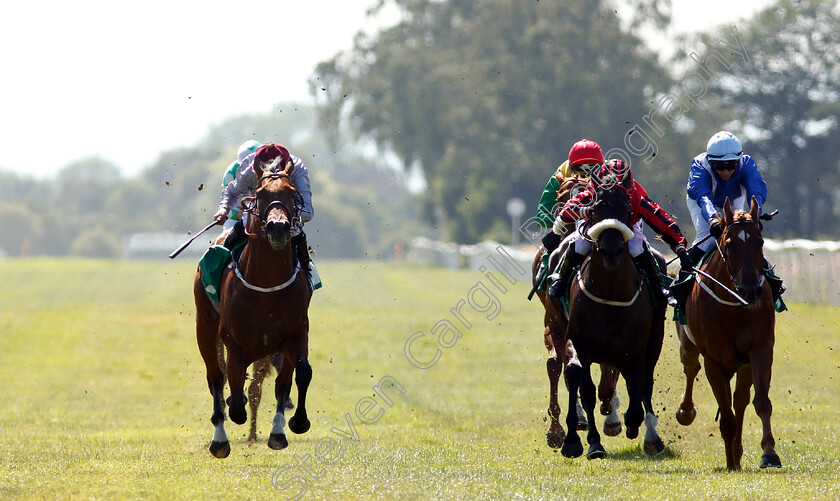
572 446
236 367
299 423
690 358
207 336
556 433
719 381
633 418
282 387
762 369
740 399
609 400
587 396
255 394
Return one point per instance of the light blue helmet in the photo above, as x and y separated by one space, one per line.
724 145
246 149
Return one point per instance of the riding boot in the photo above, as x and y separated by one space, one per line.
570 260
236 235
302 250
776 285
696 254
647 263
551 241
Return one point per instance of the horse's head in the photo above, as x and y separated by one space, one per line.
610 219
741 246
276 200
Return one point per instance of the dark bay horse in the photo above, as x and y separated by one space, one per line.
733 338
613 320
554 336
263 310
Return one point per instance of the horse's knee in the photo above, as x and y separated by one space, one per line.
303 373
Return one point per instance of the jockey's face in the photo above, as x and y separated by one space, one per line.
583 170
724 168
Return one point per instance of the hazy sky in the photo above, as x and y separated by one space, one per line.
128 80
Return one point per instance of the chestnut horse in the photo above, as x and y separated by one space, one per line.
613 320
555 323
733 339
263 310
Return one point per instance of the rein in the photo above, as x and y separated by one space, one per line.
607 301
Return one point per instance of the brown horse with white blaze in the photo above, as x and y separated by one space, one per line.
733 338
263 310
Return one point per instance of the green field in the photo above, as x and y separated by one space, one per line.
104 397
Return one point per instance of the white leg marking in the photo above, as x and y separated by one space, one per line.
612 418
650 427
219 434
278 426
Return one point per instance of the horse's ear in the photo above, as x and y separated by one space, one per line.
290 168
754 209
727 212
257 168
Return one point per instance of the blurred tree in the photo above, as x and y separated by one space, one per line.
786 104
487 96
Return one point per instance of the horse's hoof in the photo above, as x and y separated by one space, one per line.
605 409
612 429
654 447
596 451
686 417
770 461
220 450
228 400
632 433
277 441
289 405
582 424
555 440
573 449
238 416
299 426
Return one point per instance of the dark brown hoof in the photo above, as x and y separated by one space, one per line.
686 417
770 461
573 448
220 450
277 441
612 429
555 440
596 451
654 447
298 426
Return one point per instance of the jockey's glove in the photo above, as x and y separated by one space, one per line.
714 228
685 261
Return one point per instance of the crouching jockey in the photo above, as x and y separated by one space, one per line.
644 209
725 171
245 184
584 157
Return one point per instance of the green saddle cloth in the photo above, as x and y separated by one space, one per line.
212 264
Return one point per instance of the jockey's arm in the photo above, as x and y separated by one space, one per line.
699 189
243 184
662 223
300 180
548 201
753 182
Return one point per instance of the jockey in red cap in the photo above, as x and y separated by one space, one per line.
245 184
584 157
643 208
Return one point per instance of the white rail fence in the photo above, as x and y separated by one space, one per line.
811 270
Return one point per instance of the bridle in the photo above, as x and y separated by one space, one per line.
733 277
292 213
